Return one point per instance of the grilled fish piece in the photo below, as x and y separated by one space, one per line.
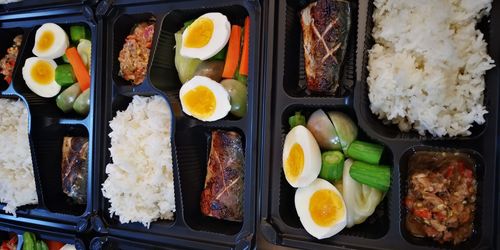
74 168
325 31
222 197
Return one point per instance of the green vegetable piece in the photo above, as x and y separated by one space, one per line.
324 132
210 69
38 245
296 120
185 66
44 245
238 93
67 98
187 23
65 75
241 78
82 103
332 166
345 127
29 241
65 58
366 152
77 32
221 55
84 49
378 177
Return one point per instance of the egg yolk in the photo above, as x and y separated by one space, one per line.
200 101
199 33
42 72
294 163
45 41
325 207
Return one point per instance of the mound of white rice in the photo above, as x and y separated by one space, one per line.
428 64
140 183
17 184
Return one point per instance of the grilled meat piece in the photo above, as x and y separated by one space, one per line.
325 31
222 197
74 168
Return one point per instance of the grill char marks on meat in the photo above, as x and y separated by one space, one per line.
74 168
222 196
441 196
325 31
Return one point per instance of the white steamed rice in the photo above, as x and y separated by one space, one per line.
428 64
17 185
140 183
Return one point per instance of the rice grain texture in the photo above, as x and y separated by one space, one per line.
140 182
426 70
17 187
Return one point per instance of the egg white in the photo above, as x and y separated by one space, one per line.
312 155
48 90
302 199
219 39
58 48
222 104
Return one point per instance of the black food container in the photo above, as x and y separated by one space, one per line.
385 229
190 137
7 229
48 125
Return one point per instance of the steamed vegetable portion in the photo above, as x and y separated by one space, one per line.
361 200
211 47
349 164
30 242
68 79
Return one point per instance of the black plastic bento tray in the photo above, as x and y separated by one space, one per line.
41 233
190 142
279 223
28 5
47 124
111 242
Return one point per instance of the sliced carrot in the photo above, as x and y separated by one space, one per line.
233 52
81 73
246 48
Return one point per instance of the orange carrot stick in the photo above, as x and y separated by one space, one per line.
246 48
81 73
233 52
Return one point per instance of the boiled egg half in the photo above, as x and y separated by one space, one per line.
39 75
321 209
204 99
206 36
301 157
51 41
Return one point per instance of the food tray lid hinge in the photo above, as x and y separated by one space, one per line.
102 8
